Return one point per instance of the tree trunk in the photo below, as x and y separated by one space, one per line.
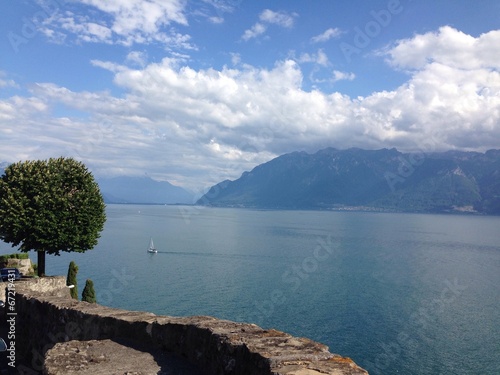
41 263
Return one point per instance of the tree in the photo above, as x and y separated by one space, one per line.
88 294
50 206
71 279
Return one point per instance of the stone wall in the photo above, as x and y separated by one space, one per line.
47 315
25 266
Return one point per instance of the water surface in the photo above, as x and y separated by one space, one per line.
398 293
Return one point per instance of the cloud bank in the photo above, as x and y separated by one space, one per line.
196 127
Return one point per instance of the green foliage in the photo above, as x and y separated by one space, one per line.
71 279
88 294
50 206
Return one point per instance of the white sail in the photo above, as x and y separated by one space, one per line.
152 248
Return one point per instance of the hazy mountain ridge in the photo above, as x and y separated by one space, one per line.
142 190
381 179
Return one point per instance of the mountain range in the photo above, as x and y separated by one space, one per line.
142 190
386 179
352 179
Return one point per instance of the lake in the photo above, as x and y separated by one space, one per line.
398 293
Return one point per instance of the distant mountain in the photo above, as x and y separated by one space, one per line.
137 190
142 190
368 179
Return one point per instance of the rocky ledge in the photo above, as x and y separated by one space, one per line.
55 327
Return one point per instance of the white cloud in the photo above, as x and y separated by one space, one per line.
18 107
269 17
282 19
126 22
216 20
453 95
328 34
449 47
341 76
100 32
254 31
235 58
319 58
146 16
137 58
7 82
82 27
200 126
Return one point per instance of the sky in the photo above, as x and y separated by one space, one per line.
196 92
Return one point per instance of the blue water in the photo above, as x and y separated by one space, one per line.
398 293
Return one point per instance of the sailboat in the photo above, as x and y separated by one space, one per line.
152 248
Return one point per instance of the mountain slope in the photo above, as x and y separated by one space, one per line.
385 179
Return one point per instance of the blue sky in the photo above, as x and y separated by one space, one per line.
195 92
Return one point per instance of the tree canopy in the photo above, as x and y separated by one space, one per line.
50 206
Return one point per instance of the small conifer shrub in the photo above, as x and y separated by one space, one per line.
71 279
88 294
